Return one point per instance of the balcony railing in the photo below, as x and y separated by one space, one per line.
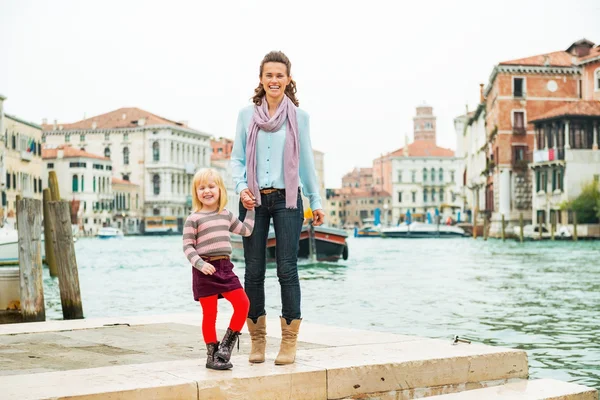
519 130
546 155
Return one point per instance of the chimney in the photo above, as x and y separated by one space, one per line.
124 116
54 125
481 96
184 123
44 121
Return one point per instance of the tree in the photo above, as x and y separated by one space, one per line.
587 204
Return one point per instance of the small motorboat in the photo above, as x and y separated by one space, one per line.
368 231
330 244
533 232
419 230
109 232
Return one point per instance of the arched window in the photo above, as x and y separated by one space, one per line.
432 174
156 183
155 151
441 194
126 156
424 195
107 152
433 194
94 184
424 174
441 175
75 184
177 156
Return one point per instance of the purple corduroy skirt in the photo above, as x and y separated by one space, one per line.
223 280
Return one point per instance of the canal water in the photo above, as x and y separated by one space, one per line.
543 297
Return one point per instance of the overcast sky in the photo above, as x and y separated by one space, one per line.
361 67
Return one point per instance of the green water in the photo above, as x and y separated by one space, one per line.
541 297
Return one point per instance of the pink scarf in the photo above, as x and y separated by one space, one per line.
261 120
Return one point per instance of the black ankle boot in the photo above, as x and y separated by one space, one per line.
227 344
213 362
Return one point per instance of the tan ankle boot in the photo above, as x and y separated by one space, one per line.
258 334
289 335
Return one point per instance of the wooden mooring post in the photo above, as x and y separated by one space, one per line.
502 230
29 227
64 253
475 224
53 185
485 228
575 225
50 259
521 227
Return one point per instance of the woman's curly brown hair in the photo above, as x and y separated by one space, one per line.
290 90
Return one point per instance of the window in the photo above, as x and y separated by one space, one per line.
414 176
126 155
432 174
78 164
106 137
67 138
155 151
441 175
399 176
544 180
82 138
126 177
424 195
518 87
597 80
125 137
424 175
82 189
8 181
94 184
414 197
452 176
519 153
75 184
519 122
538 180
40 185
433 194
428 125
107 152
441 194
399 197
560 176
50 165
156 184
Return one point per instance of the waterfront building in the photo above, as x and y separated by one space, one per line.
519 92
352 207
158 154
424 179
360 178
21 159
128 211
85 180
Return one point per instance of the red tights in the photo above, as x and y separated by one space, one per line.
240 303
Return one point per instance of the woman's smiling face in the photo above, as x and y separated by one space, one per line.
274 79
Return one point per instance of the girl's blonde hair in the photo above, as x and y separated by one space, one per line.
203 176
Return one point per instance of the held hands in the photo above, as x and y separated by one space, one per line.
247 199
207 269
318 217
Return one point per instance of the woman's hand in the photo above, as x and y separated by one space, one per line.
248 199
207 269
318 217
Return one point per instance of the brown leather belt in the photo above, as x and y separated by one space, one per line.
269 190
214 258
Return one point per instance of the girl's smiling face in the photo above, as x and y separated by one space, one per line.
208 193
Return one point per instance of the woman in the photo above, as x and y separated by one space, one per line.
271 159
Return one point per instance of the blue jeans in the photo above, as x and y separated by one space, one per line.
288 224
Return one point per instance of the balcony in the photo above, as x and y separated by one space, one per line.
26 155
519 130
547 155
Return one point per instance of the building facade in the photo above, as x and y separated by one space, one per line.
221 148
351 207
128 210
520 91
159 155
22 160
360 178
85 179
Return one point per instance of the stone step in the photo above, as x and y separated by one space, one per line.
540 389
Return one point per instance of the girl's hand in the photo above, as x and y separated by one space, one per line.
247 199
207 269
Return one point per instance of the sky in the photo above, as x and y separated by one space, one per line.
361 68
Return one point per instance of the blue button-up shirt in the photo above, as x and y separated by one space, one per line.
269 157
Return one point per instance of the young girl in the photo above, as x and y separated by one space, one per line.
206 243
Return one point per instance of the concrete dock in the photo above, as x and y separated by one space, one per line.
162 357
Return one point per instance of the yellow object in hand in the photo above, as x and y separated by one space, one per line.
308 214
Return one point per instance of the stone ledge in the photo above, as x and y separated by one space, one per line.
540 389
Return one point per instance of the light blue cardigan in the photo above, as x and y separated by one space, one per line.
269 157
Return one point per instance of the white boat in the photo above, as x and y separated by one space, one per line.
9 245
108 232
533 232
418 230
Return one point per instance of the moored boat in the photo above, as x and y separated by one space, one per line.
108 232
368 231
418 230
330 244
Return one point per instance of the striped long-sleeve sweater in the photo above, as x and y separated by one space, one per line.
207 234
